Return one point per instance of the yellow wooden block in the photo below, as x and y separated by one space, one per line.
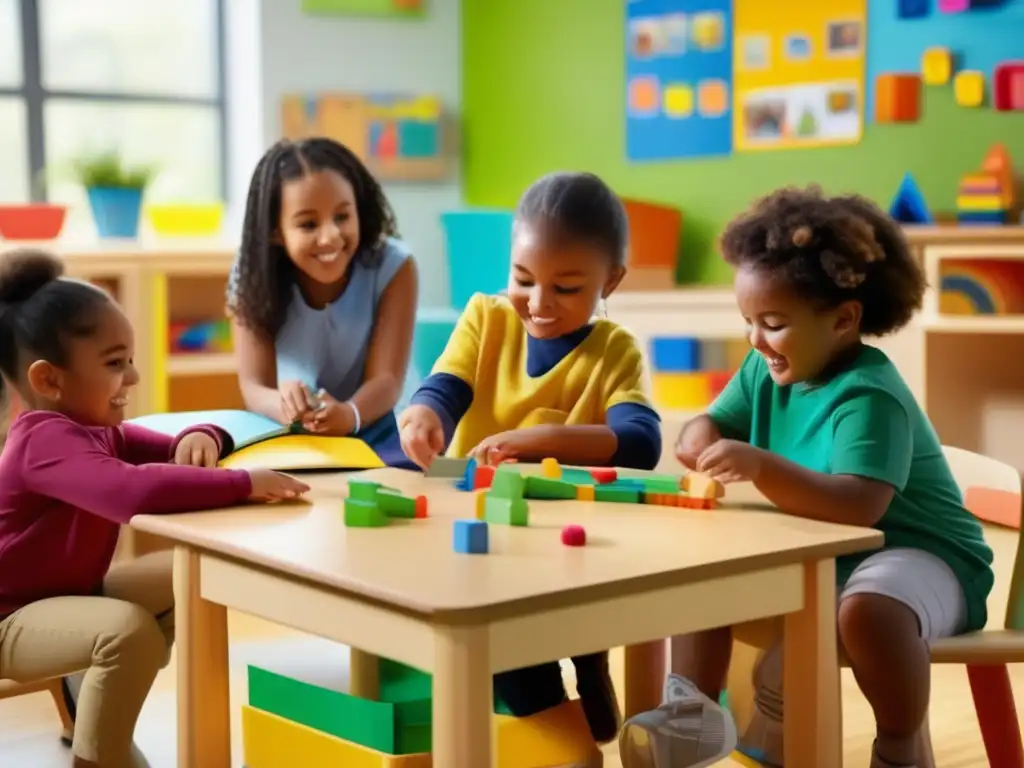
685 391
584 493
550 468
969 88
481 505
981 203
555 737
269 741
936 66
700 486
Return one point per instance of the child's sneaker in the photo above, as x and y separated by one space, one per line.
688 730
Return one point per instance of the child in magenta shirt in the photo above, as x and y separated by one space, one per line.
70 474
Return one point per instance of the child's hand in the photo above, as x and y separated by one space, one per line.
697 436
332 417
296 400
504 446
268 485
197 449
730 461
421 433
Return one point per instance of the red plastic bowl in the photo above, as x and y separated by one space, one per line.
36 221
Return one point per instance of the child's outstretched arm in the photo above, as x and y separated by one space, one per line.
872 445
257 373
64 460
147 446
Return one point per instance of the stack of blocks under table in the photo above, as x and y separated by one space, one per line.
687 373
290 722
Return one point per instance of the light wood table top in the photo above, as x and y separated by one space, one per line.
411 564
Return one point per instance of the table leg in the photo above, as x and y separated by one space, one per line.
813 723
201 640
644 676
364 674
463 698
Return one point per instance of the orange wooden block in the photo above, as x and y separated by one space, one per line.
655 232
897 98
584 493
992 506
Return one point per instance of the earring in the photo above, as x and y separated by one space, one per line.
602 309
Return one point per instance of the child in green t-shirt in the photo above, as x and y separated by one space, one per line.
827 429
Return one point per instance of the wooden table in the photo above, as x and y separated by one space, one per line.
402 592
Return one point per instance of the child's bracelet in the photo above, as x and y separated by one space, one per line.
357 420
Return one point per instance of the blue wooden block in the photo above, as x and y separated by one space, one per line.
675 354
465 483
470 537
913 9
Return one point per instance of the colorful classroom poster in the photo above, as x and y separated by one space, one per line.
678 79
798 74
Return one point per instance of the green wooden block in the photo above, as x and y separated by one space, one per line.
546 488
401 683
363 490
508 485
364 514
660 484
577 476
617 493
394 504
504 511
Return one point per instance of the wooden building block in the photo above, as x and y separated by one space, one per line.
1008 86
898 98
937 66
969 88
700 486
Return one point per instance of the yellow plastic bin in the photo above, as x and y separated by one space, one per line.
186 220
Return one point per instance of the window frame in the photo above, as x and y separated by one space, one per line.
35 96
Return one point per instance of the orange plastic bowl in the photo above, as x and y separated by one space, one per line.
33 221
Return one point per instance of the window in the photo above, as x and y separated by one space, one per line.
79 78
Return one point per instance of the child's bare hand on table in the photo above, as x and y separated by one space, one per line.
696 437
421 433
731 461
268 485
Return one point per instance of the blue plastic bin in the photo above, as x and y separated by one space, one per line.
479 252
116 211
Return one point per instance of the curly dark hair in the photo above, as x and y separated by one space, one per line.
831 250
261 285
579 206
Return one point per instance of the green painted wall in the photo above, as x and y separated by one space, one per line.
543 90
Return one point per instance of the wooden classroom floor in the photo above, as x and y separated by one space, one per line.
29 727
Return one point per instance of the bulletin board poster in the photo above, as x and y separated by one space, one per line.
678 79
798 75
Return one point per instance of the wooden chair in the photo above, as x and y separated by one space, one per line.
10 689
992 491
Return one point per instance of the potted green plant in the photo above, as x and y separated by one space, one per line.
115 193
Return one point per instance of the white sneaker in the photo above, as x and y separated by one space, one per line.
688 730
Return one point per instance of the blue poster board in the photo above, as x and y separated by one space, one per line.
678 79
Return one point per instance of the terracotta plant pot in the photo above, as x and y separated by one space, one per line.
31 221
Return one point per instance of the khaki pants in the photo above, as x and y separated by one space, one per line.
120 640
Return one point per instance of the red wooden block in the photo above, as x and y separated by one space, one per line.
604 475
421 506
574 536
717 381
483 477
1008 86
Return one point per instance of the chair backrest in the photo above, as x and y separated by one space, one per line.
992 493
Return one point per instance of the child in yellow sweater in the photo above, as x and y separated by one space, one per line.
531 375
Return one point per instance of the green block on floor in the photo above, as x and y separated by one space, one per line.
547 488
394 504
577 476
400 682
621 494
504 511
363 490
395 728
508 485
364 514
